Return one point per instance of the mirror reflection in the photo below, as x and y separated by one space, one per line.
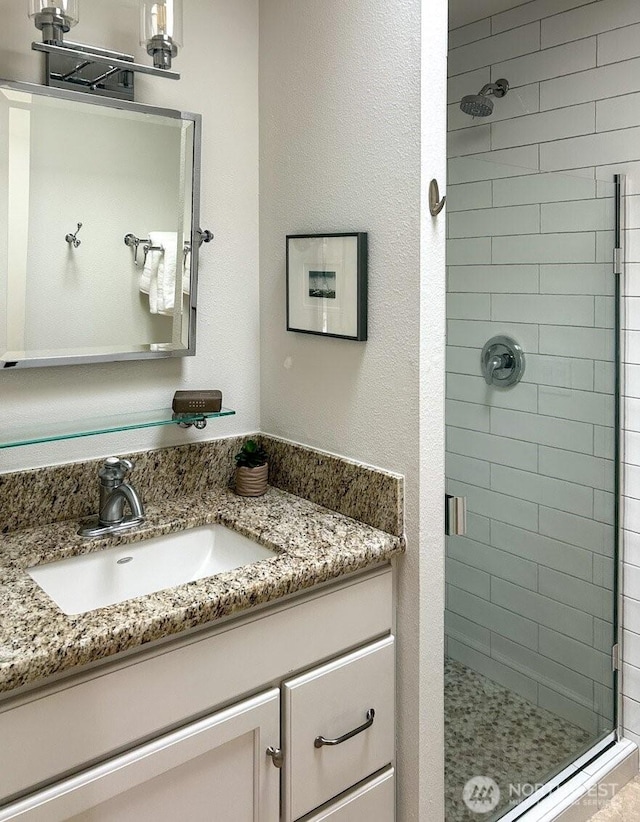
99 214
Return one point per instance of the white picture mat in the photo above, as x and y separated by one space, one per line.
336 315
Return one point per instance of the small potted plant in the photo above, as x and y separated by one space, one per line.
252 470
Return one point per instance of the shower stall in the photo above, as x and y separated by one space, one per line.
543 413
533 451
543 404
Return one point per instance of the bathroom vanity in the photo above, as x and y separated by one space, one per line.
220 719
264 693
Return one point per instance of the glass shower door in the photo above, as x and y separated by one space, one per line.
532 446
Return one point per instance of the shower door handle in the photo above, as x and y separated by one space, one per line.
455 516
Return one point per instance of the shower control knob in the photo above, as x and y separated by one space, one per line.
502 362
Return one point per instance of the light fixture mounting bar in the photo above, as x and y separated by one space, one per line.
79 67
124 64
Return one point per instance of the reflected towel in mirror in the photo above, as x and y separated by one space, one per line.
163 267
149 278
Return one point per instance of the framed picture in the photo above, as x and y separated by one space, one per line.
327 285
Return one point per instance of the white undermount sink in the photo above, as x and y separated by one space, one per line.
83 583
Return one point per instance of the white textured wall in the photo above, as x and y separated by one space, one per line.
573 108
425 606
219 67
340 151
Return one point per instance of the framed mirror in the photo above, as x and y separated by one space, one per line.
99 232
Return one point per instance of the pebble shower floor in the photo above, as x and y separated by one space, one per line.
491 731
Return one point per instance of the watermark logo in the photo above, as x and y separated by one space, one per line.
520 792
481 794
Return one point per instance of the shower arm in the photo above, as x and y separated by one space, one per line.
497 89
488 89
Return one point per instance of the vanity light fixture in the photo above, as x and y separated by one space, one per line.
54 18
80 67
161 30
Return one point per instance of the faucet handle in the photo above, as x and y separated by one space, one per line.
113 462
115 468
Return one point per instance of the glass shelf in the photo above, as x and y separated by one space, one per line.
72 429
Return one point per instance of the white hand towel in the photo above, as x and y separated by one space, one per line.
158 277
153 294
150 269
168 270
149 278
186 274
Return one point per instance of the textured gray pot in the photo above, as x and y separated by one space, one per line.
252 482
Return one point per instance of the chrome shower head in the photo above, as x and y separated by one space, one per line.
480 105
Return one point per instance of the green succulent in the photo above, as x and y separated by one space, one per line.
251 455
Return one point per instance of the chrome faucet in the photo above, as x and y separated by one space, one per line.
114 493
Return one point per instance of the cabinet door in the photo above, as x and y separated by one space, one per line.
214 769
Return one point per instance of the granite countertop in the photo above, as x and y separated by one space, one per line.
313 544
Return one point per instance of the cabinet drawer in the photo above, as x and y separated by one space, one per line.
374 801
329 702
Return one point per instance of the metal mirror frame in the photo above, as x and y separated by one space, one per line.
195 234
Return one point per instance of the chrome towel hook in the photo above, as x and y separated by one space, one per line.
133 242
435 203
72 239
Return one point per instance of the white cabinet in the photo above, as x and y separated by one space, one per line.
179 765
91 717
213 769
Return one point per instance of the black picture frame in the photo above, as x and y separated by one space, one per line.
327 268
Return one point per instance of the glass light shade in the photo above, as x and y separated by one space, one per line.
67 12
161 18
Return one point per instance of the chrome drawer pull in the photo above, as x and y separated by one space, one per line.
320 740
